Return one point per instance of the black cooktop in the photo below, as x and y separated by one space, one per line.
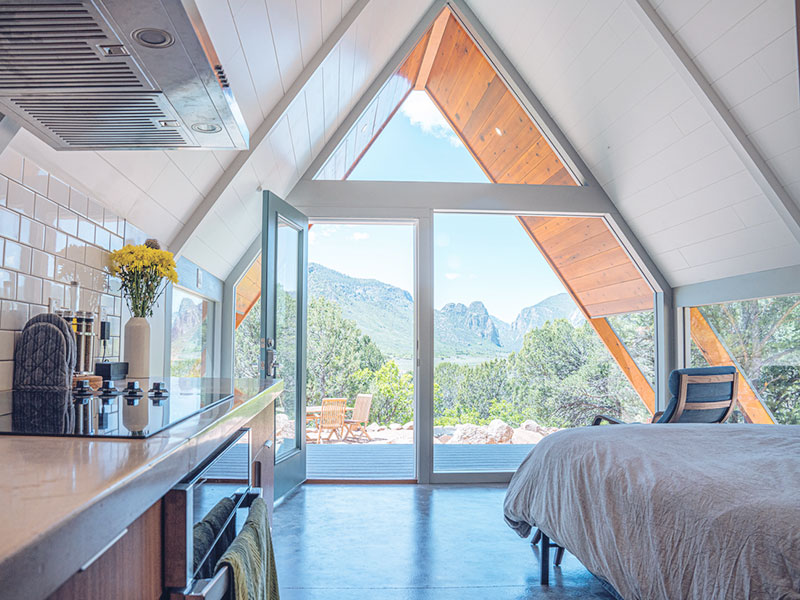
66 414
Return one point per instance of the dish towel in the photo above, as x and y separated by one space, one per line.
206 531
251 560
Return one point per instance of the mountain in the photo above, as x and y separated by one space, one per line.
382 311
386 314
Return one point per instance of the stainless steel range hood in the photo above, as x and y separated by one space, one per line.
115 74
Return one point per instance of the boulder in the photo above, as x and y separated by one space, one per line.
382 428
447 430
470 434
395 426
443 439
373 427
534 426
525 436
499 432
409 426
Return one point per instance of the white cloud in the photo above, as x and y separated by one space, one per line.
360 235
452 275
422 113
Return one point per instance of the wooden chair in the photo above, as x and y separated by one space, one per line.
357 423
331 418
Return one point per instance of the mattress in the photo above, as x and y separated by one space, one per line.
670 511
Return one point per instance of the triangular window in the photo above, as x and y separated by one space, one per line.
418 144
444 107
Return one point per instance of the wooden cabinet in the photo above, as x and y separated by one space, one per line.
128 570
262 441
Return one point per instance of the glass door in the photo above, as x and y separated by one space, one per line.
283 333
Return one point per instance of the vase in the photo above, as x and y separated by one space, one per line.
137 348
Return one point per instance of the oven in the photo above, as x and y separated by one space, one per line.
200 521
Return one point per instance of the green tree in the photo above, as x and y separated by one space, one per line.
393 395
246 344
340 359
763 337
563 376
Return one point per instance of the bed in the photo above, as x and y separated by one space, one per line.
670 511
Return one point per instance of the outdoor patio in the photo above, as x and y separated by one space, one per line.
396 461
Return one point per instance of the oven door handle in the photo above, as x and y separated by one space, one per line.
211 589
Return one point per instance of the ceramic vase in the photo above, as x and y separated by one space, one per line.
137 348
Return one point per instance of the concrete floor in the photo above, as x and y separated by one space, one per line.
411 542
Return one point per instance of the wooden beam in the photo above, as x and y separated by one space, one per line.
717 355
193 222
437 30
625 362
736 136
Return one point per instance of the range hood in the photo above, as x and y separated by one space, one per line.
115 74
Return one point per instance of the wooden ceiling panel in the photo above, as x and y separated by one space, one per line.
589 260
474 99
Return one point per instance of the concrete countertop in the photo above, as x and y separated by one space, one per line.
62 499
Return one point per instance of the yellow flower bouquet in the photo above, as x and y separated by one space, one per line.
143 271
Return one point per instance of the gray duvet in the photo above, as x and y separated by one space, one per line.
670 511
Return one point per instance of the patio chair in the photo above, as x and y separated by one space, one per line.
331 418
700 395
357 423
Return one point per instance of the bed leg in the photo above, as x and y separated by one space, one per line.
544 560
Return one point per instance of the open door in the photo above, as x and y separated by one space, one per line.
283 330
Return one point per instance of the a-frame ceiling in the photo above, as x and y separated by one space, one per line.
598 70
496 130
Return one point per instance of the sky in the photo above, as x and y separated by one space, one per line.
476 257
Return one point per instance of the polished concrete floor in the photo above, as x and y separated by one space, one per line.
411 542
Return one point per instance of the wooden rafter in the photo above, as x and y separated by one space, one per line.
432 48
626 362
717 355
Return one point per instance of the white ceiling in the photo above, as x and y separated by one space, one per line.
599 73
646 137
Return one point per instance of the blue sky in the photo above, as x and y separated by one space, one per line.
476 257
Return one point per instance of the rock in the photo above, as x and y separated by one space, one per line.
443 439
409 426
395 426
447 430
373 427
469 434
525 436
499 432
535 427
285 430
382 428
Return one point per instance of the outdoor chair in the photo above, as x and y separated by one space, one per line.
699 395
357 423
331 419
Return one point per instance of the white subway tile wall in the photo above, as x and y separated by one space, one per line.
50 235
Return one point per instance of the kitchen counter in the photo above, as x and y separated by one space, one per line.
64 499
